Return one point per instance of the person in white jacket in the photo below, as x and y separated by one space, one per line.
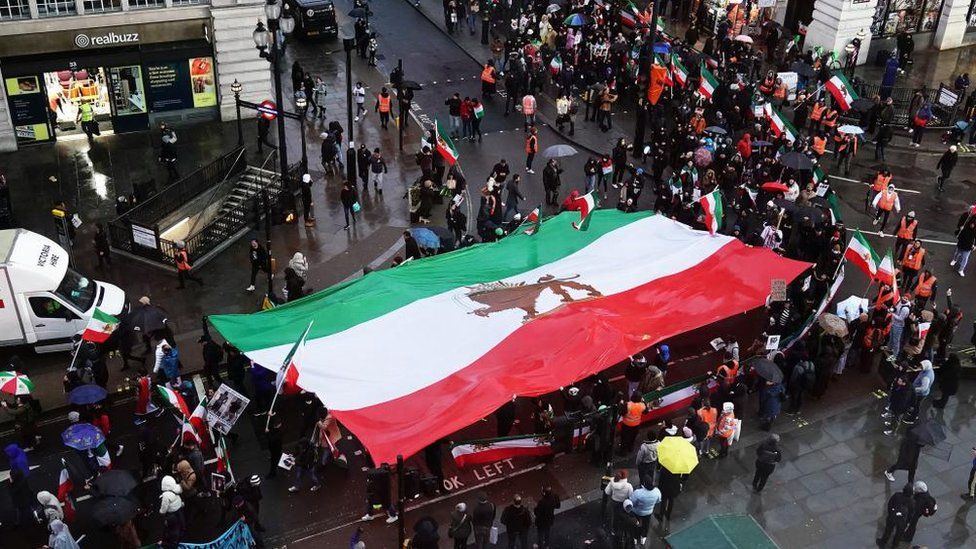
619 490
169 499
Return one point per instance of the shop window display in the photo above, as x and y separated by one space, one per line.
68 89
894 16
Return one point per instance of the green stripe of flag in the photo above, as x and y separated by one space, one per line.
381 292
102 316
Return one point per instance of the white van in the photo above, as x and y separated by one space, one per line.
43 301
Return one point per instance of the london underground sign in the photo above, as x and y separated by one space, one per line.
268 110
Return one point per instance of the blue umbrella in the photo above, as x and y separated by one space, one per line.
82 436
662 48
575 20
426 238
87 394
761 144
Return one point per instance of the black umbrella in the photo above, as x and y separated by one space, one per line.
799 212
767 369
803 69
113 510
410 85
117 482
359 13
797 161
146 319
862 104
929 433
717 130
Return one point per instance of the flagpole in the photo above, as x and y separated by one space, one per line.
267 424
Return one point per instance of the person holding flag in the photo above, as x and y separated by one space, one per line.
286 380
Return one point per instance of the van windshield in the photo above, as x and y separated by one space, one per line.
77 290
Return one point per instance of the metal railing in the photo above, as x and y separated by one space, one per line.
179 193
902 103
136 232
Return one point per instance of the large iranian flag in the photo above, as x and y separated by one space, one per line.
842 91
860 253
528 314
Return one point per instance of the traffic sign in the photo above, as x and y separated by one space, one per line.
268 110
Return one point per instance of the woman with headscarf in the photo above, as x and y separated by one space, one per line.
299 264
60 537
17 458
50 505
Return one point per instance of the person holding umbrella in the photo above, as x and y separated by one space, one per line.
770 402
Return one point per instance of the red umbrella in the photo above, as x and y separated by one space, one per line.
774 186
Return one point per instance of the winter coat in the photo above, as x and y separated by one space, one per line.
545 510
768 453
170 363
188 478
299 264
169 499
619 490
60 537
647 453
949 375
770 403
670 483
460 527
644 501
484 514
516 518
51 505
17 459
425 534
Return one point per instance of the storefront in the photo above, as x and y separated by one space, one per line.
912 16
129 77
744 16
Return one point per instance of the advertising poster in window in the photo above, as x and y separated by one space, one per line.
169 86
128 94
28 108
203 83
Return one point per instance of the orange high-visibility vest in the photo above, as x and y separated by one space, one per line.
487 75
907 231
819 145
634 412
728 373
884 298
830 118
182 261
817 112
887 201
912 259
384 103
710 417
881 182
924 286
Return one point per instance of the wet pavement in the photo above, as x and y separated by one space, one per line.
829 490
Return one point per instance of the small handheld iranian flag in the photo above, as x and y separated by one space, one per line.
780 125
189 433
65 487
198 419
886 270
678 71
586 205
834 205
444 145
173 399
102 457
711 204
479 111
708 83
860 253
533 221
660 24
842 91
556 64
100 327
628 15
287 378
819 176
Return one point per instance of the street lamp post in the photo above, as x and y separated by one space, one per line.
643 105
270 44
349 44
236 88
300 104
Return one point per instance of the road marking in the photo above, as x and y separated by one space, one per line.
85 497
926 240
899 189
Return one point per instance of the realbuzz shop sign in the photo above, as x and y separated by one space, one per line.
109 38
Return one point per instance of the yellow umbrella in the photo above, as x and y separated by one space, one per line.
677 455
